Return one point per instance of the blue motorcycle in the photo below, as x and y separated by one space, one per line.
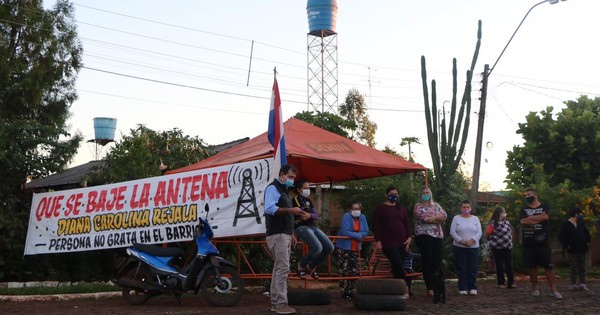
150 270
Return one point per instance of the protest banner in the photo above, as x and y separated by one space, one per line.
153 210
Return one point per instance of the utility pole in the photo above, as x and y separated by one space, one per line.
484 84
479 139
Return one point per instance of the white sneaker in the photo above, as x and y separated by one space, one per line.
573 287
462 292
535 292
556 295
583 287
473 292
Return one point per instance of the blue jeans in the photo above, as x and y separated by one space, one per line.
467 265
319 245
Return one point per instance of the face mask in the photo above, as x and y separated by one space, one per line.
355 213
579 216
306 192
426 197
392 198
530 199
465 211
289 182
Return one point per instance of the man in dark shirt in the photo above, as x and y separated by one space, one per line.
536 249
279 219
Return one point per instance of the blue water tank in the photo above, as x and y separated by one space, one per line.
322 16
104 128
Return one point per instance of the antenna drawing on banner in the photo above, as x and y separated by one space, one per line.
246 203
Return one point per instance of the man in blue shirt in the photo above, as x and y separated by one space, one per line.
279 219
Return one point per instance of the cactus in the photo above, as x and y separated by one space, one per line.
447 149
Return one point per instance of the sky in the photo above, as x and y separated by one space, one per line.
186 64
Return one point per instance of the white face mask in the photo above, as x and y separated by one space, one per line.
355 213
306 192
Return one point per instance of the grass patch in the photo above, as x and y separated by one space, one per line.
78 288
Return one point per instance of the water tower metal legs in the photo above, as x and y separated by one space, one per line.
322 67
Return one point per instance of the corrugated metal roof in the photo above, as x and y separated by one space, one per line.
73 175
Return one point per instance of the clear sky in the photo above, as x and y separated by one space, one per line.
184 64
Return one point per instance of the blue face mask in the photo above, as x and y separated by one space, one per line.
426 197
579 216
392 198
289 182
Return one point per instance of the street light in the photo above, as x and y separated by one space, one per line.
484 83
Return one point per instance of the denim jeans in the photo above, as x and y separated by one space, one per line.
319 245
467 265
280 247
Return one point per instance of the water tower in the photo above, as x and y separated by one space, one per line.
104 132
322 58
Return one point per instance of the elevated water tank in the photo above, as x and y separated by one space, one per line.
104 128
322 16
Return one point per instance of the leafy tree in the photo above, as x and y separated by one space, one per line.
354 109
566 146
447 148
146 153
40 56
328 121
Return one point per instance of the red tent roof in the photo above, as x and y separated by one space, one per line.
320 156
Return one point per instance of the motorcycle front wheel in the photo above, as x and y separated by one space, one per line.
135 296
225 291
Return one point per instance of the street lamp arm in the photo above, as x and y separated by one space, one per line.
514 33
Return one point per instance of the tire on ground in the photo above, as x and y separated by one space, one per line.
308 297
381 286
371 302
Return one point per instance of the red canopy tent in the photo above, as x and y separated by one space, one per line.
320 156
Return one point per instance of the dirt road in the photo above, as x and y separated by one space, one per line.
490 300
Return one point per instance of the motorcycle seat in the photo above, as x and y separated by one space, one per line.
159 251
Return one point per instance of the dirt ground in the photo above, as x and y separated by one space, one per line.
490 300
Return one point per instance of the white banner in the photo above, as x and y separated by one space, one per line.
152 210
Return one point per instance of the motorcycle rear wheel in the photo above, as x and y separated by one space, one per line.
227 292
135 296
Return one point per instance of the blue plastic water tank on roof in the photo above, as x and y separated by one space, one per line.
322 15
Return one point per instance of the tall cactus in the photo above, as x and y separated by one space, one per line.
445 149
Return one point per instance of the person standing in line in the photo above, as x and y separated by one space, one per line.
466 232
392 233
319 245
575 238
429 236
279 220
353 225
535 218
499 234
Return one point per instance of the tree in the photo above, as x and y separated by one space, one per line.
328 121
40 56
447 148
146 153
354 109
565 147
408 141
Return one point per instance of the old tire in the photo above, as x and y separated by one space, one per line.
381 286
308 297
371 302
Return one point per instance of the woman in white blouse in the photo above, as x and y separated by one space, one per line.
466 232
